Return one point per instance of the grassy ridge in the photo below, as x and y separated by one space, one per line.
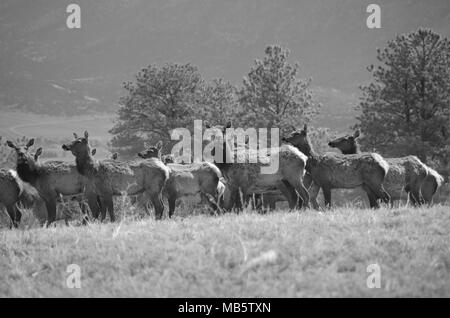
279 254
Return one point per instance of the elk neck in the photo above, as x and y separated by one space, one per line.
85 164
352 150
308 150
27 172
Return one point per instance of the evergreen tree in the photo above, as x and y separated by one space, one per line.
272 94
406 109
164 98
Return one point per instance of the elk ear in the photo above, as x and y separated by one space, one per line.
30 143
229 124
94 151
356 134
115 155
86 134
11 144
75 136
159 145
207 125
38 153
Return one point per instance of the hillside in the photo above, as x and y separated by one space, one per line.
47 68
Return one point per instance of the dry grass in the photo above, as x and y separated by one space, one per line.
280 254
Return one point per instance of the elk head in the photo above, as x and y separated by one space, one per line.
80 146
299 139
23 157
347 144
151 151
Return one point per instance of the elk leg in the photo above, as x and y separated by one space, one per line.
372 198
313 192
380 192
85 212
102 209
289 193
327 196
211 199
230 199
272 204
294 195
157 204
15 214
110 207
51 211
172 201
384 195
415 195
94 204
297 184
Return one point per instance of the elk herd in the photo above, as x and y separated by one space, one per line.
301 173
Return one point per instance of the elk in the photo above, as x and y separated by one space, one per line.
405 173
51 179
14 192
431 185
79 198
110 178
247 177
188 179
338 171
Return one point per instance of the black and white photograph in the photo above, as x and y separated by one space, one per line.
235 151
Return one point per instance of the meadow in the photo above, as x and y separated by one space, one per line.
278 254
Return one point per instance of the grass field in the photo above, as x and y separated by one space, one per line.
279 254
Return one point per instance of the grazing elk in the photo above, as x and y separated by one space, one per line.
406 174
247 177
51 179
341 172
109 178
188 179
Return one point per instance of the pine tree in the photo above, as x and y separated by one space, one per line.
272 94
163 98
406 109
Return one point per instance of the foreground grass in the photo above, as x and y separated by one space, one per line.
281 254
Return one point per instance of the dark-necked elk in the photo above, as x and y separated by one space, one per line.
14 192
51 179
188 179
65 212
331 171
405 175
110 178
246 176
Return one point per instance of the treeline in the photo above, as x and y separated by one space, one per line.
404 110
172 96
